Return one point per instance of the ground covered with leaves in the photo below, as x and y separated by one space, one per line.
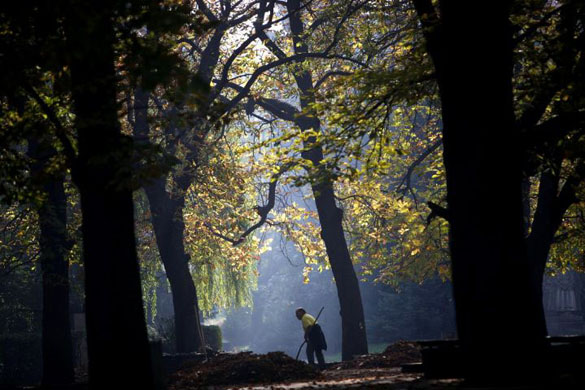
246 368
242 368
394 355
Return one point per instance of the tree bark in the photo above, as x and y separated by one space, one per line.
168 224
497 308
57 344
552 205
542 233
167 220
353 327
118 348
57 348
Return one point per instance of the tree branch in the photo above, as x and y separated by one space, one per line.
437 211
263 211
407 177
60 132
206 11
330 74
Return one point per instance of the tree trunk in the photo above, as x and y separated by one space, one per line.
167 220
118 348
542 233
57 348
57 345
552 205
353 326
498 311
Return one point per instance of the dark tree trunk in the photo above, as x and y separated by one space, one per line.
542 233
353 328
57 345
167 220
56 329
551 207
498 311
118 348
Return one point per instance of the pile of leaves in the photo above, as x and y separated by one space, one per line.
394 355
241 368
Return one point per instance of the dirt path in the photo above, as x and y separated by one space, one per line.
345 379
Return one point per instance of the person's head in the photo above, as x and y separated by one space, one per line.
300 312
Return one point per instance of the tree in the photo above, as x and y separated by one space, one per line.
533 65
484 194
54 245
190 120
548 102
27 120
100 159
320 176
115 318
186 136
167 220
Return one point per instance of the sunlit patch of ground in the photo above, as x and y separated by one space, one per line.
386 378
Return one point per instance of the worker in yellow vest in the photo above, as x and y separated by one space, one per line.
313 336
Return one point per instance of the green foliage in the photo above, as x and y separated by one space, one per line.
148 255
377 113
220 203
374 97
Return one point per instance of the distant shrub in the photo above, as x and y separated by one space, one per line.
165 328
212 335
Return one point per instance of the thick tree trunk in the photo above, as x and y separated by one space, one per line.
57 345
118 348
167 220
498 312
353 327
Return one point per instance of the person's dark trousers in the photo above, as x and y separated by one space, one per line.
317 351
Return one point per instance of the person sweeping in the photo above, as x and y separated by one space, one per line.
314 337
